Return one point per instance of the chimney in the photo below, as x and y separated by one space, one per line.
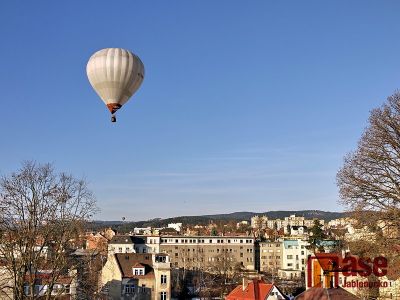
256 289
244 283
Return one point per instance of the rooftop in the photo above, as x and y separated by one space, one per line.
127 239
128 261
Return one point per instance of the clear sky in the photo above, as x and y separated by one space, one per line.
245 105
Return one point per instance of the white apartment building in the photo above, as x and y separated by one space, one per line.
134 244
126 244
290 221
294 256
152 243
341 223
176 226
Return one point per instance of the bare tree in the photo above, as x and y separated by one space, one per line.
40 212
223 273
369 181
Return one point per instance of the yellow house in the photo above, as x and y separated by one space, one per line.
141 276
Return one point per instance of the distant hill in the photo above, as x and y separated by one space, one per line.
279 214
236 216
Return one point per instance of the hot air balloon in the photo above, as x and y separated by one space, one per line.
115 74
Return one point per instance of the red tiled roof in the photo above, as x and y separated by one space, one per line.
256 289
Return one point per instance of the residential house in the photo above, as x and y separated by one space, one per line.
256 289
140 276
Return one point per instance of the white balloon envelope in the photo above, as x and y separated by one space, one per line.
115 74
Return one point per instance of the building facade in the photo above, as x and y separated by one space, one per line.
141 276
270 256
199 251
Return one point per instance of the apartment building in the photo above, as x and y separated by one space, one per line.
127 244
270 256
294 258
134 244
201 251
259 222
286 257
293 220
142 276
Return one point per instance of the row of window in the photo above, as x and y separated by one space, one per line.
271 257
210 241
201 250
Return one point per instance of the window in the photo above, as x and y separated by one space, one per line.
129 289
290 257
67 289
27 289
163 279
120 249
138 271
163 295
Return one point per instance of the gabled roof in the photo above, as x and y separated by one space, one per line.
255 290
128 261
126 239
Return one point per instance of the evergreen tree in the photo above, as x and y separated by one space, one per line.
316 234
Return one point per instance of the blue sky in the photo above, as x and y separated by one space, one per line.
245 106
